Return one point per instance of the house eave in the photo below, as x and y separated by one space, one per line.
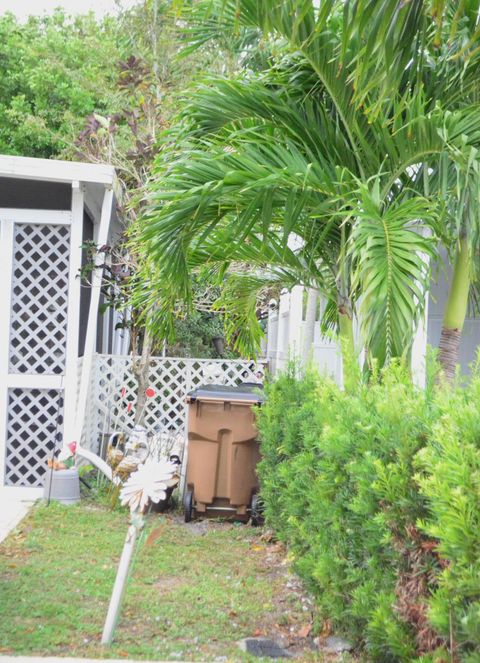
56 170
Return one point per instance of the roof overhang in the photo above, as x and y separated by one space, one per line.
54 170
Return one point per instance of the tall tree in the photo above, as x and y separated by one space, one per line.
54 71
311 145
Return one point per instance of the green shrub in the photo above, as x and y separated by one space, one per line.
449 479
376 492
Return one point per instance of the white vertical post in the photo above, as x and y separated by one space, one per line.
310 319
419 348
73 316
102 237
188 370
295 321
6 260
272 339
107 328
283 329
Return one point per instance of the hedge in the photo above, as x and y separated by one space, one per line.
376 492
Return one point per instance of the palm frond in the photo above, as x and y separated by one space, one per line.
391 263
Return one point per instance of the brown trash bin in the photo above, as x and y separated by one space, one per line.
223 452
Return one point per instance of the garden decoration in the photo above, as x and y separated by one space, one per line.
136 452
150 483
116 443
65 458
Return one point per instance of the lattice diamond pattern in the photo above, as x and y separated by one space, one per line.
32 424
39 299
114 388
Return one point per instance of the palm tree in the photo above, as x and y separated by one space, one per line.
438 57
300 148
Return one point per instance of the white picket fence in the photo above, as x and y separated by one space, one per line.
112 392
286 336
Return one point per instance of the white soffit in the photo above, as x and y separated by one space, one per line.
52 170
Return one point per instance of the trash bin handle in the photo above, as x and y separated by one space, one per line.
202 399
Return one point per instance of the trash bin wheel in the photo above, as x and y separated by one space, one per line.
188 506
256 510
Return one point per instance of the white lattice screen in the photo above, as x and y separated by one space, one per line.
113 388
37 348
35 417
38 326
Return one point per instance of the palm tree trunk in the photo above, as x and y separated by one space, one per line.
351 370
455 311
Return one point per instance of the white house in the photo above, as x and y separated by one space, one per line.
65 373
47 210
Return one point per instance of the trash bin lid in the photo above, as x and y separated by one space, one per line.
244 393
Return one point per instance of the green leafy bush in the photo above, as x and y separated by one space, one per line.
54 71
376 492
449 479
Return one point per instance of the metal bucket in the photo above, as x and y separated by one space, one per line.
64 486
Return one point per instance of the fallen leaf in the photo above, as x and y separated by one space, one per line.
327 628
257 633
154 535
304 632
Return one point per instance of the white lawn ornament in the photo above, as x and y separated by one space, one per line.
148 483
164 445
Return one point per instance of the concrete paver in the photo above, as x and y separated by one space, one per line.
12 512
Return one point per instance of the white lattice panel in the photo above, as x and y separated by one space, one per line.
35 416
113 394
39 299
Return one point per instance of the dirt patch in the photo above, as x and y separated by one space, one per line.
167 585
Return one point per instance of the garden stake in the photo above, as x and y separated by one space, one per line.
136 524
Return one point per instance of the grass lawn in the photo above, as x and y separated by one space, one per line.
195 590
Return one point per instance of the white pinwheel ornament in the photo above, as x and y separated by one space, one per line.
149 483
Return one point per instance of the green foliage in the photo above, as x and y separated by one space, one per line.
194 336
376 491
54 71
449 478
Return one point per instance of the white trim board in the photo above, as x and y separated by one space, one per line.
6 260
49 170
48 217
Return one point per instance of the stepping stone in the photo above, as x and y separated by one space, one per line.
335 645
263 647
